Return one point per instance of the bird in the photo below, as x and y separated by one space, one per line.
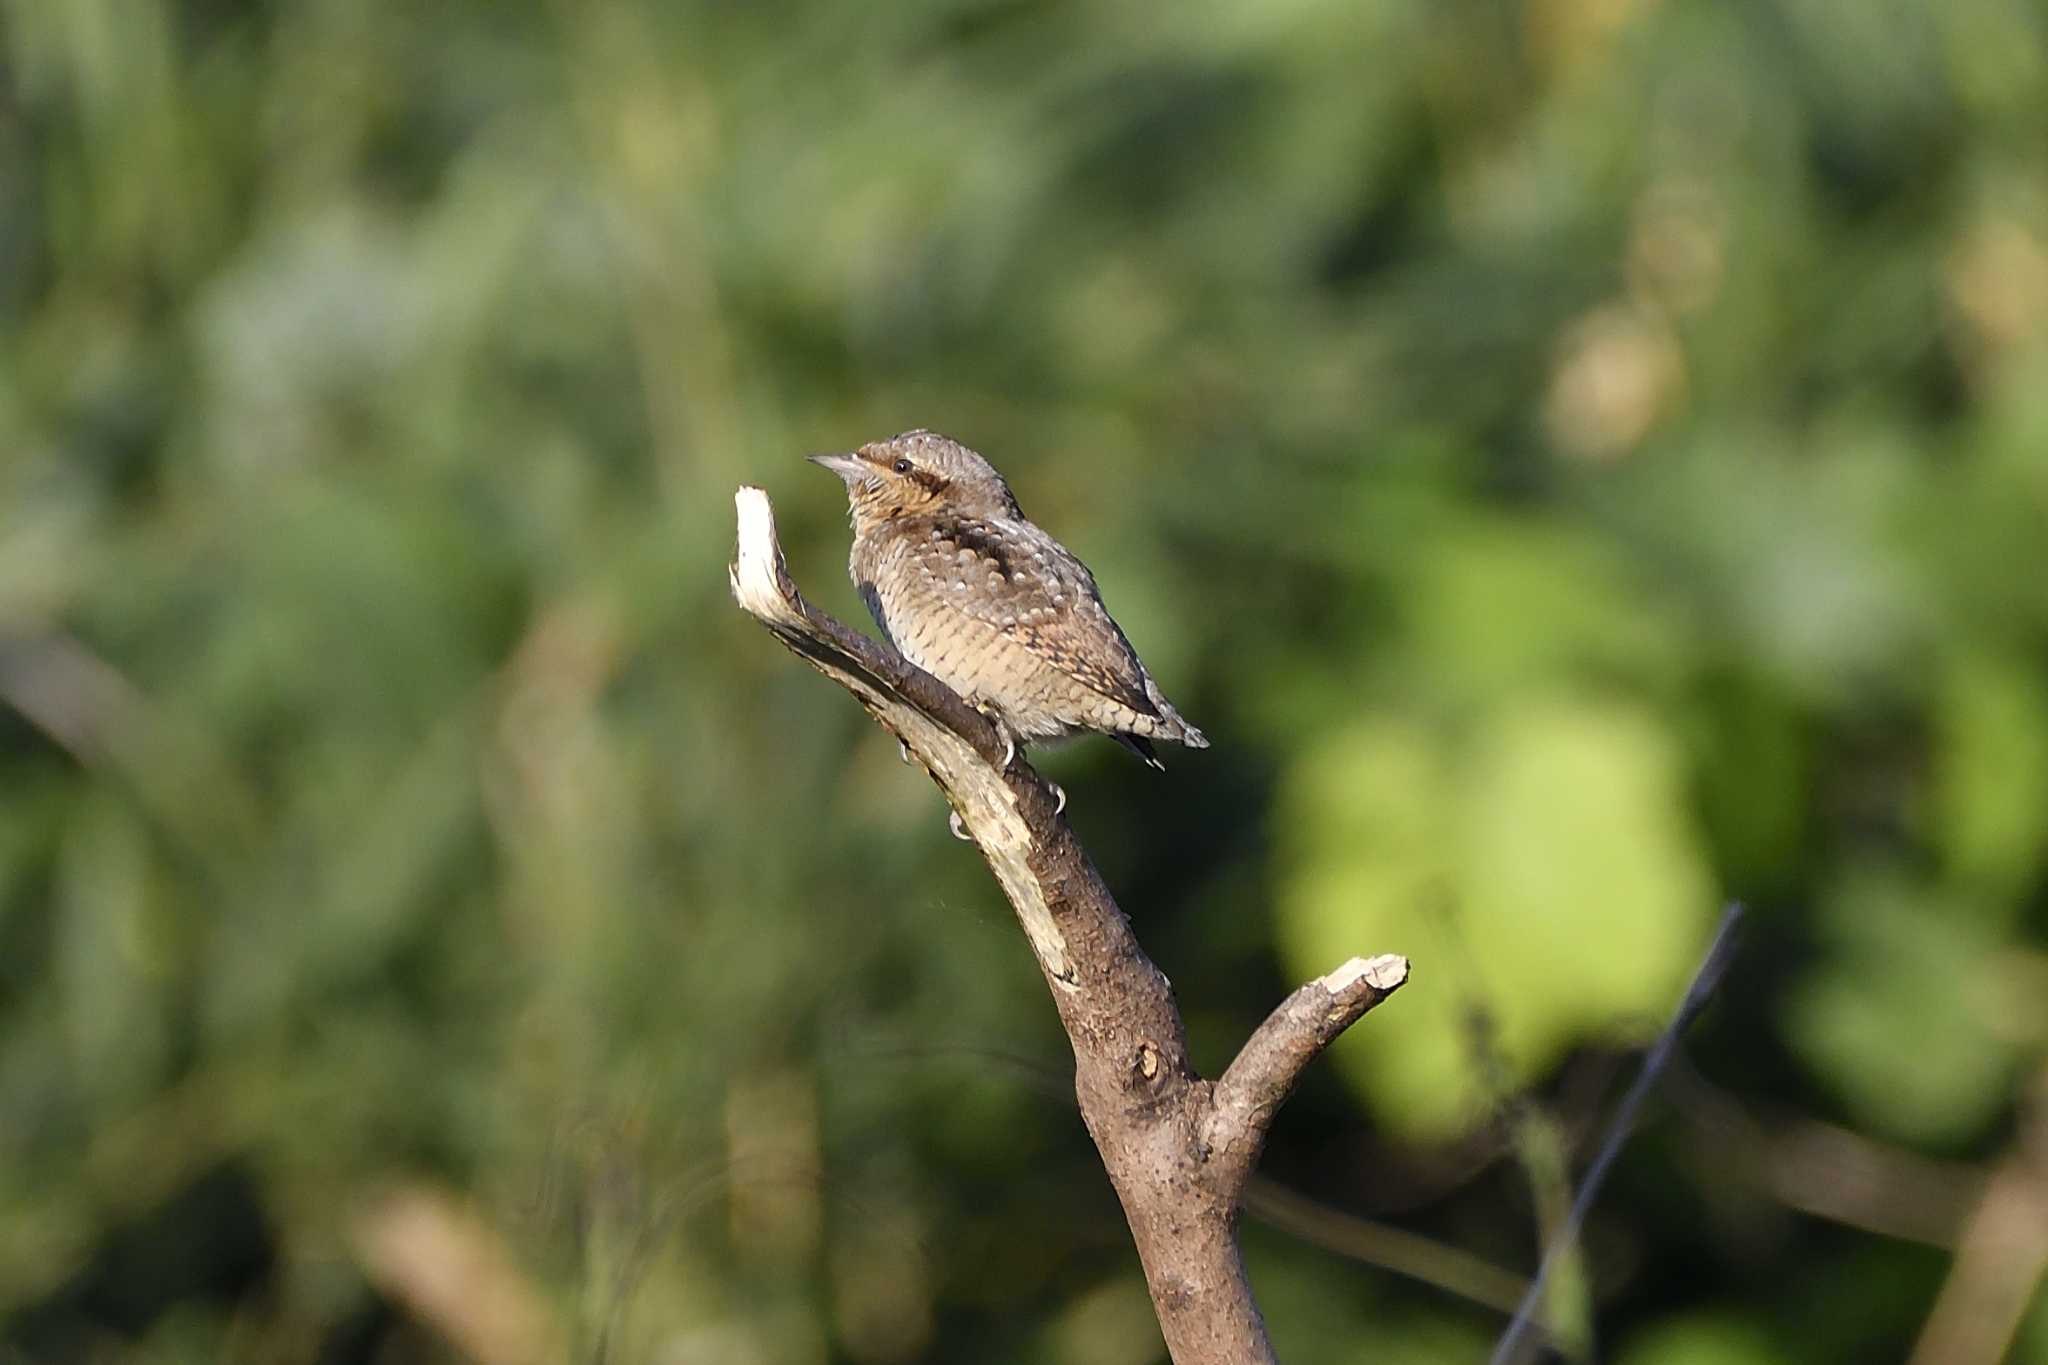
966 587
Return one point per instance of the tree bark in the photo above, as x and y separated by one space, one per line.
1178 1149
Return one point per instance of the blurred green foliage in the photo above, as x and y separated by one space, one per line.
1579 460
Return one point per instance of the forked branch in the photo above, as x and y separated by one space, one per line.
1178 1149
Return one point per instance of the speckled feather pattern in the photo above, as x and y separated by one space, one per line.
991 605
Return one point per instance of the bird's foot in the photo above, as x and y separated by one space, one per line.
953 823
995 718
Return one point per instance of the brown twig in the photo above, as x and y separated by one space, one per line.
451 1270
1422 1259
1822 1169
1178 1149
2002 1256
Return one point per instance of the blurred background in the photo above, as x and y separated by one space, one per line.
1580 461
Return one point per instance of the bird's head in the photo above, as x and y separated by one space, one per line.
918 474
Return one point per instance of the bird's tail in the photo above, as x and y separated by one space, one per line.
1172 725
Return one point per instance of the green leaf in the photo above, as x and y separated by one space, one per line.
1548 878
1991 789
1895 1018
1704 1339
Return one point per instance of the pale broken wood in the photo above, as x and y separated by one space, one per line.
1178 1149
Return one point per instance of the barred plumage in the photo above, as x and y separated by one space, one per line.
976 595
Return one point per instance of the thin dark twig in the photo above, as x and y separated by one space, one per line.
1704 982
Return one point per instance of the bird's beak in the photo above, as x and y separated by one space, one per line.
847 467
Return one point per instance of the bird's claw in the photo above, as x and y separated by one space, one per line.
995 718
953 823
903 750
1061 793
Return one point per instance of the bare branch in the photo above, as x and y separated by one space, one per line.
1259 1080
762 586
954 742
1178 1159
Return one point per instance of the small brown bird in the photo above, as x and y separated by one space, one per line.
990 605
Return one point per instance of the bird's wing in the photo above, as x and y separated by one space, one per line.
1024 583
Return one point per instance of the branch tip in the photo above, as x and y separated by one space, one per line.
1382 973
1257 1081
759 575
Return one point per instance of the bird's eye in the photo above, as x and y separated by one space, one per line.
902 466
